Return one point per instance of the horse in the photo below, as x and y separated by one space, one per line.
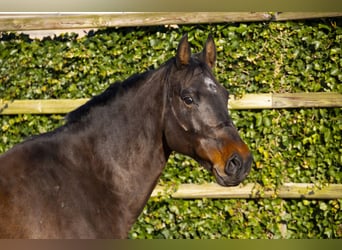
92 176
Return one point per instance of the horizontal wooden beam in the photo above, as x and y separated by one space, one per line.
287 100
249 101
85 21
251 191
49 106
38 26
67 21
283 16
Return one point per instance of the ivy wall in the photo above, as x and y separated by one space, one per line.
289 145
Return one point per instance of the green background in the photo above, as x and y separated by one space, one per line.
289 145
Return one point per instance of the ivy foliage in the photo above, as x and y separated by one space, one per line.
289 145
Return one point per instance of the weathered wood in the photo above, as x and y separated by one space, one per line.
309 191
51 106
65 21
283 16
251 191
49 25
297 100
287 100
249 101
84 21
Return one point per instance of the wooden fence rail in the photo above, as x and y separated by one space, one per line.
100 20
249 101
251 191
42 25
84 21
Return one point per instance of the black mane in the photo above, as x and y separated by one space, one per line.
113 90
102 99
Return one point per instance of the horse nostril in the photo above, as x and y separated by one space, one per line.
233 165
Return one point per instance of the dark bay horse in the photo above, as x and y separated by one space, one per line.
92 177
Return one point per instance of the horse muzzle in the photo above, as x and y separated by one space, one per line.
225 155
235 170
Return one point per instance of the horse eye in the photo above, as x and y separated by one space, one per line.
188 100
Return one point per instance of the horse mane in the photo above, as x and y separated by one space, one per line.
109 94
114 89
122 86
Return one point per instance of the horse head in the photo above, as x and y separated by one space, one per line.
197 122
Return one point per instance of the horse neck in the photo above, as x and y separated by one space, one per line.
125 139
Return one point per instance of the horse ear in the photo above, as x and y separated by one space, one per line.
183 52
209 52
